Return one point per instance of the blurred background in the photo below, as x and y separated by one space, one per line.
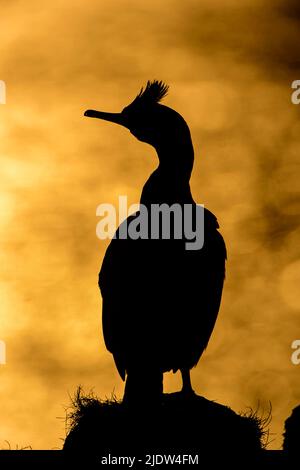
230 65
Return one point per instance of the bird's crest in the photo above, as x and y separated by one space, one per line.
153 93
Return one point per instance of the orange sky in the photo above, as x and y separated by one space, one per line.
230 66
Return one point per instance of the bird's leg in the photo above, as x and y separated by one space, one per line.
186 382
143 386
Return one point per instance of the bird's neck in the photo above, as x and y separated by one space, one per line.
176 160
169 183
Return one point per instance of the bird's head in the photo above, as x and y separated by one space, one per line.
147 119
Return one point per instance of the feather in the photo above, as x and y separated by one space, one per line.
154 92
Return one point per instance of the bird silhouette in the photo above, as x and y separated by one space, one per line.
160 300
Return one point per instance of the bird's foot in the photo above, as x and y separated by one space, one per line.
187 392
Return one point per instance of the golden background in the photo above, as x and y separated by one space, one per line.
229 65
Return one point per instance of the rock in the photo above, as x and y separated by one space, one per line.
180 424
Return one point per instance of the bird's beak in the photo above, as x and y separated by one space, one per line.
118 118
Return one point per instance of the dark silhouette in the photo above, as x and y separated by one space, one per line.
160 300
291 443
180 425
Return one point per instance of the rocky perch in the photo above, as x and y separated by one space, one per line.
180 424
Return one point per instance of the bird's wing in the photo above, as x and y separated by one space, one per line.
113 283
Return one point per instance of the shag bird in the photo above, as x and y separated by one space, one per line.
160 300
